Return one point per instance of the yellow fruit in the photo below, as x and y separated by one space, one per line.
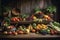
34 17
45 16
40 20
27 30
30 27
39 26
5 32
44 26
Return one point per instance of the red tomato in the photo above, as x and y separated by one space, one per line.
10 32
52 32
20 32
33 30
55 31
15 33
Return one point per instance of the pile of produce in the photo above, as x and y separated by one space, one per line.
42 23
31 28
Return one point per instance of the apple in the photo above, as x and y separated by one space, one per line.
33 30
52 31
15 33
20 32
10 32
55 32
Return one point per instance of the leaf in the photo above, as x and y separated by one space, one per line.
51 9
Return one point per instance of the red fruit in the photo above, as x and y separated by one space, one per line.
20 32
15 33
10 27
33 30
13 19
18 20
52 32
55 31
10 32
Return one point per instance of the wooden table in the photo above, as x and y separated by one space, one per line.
31 35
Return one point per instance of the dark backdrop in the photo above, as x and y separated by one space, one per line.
57 4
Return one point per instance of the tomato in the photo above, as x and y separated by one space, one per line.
13 19
20 32
33 30
52 32
55 31
9 32
15 33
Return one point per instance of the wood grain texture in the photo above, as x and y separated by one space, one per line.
26 6
31 35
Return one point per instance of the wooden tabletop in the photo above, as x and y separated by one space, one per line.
31 35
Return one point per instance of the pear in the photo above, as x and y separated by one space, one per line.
27 31
30 27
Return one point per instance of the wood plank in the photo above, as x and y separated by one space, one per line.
31 35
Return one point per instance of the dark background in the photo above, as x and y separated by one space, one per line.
57 4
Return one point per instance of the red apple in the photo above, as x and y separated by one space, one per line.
55 32
20 32
33 30
10 32
15 33
52 31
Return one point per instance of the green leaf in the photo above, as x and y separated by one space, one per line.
51 9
